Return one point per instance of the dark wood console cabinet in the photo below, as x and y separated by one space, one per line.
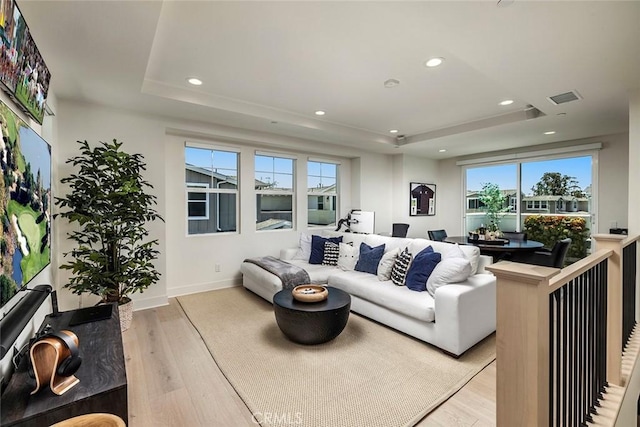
103 379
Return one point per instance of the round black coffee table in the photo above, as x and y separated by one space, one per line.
312 322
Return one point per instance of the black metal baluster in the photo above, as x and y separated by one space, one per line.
565 356
553 350
572 363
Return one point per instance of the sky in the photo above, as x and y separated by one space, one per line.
268 169
503 175
506 175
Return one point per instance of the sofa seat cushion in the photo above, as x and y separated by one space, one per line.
419 305
318 273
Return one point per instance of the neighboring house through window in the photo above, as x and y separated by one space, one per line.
274 177
322 193
211 178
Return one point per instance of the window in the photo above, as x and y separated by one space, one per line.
322 193
538 187
211 178
198 203
274 192
537 205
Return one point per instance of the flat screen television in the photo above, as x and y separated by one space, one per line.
23 72
25 201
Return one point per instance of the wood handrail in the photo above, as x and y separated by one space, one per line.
522 293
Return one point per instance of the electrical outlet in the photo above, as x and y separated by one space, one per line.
217 268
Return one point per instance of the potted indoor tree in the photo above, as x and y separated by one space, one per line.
110 208
493 203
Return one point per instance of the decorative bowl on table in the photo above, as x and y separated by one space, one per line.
310 293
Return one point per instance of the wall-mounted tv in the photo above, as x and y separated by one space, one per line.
25 201
23 73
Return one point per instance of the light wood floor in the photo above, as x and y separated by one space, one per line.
174 381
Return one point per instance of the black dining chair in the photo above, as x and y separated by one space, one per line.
399 229
545 257
437 235
519 236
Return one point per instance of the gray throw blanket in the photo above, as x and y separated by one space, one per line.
291 275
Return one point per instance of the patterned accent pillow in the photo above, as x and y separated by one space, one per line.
317 247
399 270
331 253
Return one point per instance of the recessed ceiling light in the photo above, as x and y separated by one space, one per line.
393 131
442 150
320 113
551 132
194 81
506 102
434 62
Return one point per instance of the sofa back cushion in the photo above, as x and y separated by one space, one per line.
390 243
471 252
354 238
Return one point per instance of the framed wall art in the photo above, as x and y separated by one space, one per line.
422 199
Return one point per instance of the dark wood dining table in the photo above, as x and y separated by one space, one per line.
498 251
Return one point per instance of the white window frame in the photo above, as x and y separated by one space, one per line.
335 194
551 154
213 190
291 193
197 186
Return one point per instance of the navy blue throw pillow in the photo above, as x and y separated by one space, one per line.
421 268
369 258
317 247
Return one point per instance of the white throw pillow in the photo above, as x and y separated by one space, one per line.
449 270
348 257
386 264
304 247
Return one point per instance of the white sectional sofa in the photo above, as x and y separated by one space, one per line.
456 318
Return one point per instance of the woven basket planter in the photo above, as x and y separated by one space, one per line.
126 315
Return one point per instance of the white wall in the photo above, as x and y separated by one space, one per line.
374 179
187 263
628 411
634 162
140 135
408 169
613 174
450 195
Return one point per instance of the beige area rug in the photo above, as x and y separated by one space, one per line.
369 376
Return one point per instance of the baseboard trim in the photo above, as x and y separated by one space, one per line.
203 287
146 303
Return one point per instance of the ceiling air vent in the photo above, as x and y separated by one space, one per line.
563 98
